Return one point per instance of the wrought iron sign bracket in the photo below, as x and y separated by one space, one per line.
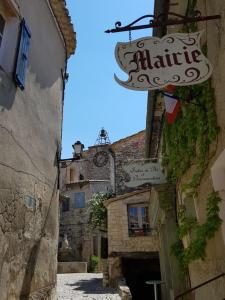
162 21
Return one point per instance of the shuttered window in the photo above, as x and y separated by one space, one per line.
22 55
79 200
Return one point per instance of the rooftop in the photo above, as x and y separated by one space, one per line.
65 25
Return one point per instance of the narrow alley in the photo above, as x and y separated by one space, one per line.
112 150
86 286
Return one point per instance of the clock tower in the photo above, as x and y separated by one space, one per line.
101 158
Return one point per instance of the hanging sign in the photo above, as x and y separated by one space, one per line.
152 63
141 172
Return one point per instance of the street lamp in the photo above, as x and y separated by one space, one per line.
78 149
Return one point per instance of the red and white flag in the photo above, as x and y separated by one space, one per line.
172 105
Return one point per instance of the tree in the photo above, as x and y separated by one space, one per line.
98 212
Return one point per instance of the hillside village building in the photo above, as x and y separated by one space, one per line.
189 210
80 180
98 170
36 40
131 241
133 245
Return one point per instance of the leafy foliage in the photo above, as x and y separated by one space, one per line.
187 141
94 263
207 230
98 212
186 144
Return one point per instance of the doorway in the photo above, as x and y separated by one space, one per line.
139 270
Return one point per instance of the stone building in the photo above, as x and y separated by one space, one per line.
132 244
194 201
99 169
36 40
81 178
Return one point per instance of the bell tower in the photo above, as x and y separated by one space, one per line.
103 138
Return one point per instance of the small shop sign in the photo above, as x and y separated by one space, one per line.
153 63
142 172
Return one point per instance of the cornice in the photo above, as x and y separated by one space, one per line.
64 22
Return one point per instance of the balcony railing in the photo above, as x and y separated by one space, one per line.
139 231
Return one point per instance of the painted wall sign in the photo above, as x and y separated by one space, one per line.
152 63
141 172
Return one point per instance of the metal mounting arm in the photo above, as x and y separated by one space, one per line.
161 21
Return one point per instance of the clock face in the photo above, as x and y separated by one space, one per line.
100 159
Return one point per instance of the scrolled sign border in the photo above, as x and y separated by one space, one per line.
131 61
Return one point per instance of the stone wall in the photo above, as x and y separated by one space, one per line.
72 267
119 241
214 263
126 149
95 179
118 234
74 222
86 167
163 218
95 172
30 137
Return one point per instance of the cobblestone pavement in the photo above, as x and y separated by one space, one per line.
83 286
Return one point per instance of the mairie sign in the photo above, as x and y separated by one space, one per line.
152 63
142 172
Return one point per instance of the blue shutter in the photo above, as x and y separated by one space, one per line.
22 55
79 200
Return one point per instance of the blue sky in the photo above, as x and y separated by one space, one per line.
93 99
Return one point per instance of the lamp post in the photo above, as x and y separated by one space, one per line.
78 149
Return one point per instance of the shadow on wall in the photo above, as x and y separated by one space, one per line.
29 273
7 91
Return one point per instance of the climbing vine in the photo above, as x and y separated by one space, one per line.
187 141
186 144
202 233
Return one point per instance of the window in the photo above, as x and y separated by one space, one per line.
81 177
22 55
66 205
2 26
138 222
79 200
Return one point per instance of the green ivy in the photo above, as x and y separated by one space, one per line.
203 232
186 144
94 263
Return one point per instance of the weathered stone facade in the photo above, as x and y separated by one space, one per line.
30 138
213 179
83 175
74 222
124 150
118 234
121 243
127 245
